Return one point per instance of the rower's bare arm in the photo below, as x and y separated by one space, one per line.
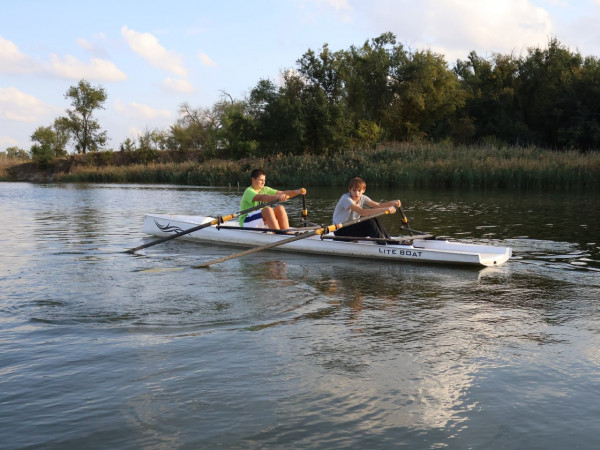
394 203
281 196
370 211
293 193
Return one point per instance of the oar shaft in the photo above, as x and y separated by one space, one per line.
397 240
272 230
181 233
318 231
200 227
411 231
304 210
255 250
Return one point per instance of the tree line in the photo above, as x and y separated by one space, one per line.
379 91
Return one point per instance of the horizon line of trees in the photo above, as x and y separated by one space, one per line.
376 92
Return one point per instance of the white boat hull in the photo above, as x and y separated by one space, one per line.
421 250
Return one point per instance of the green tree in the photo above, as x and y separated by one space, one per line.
325 128
278 114
149 144
16 153
62 130
367 74
306 113
491 98
323 71
548 80
127 146
368 133
196 129
549 97
43 151
86 131
583 129
426 97
237 134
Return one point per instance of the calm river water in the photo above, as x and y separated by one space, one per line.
277 350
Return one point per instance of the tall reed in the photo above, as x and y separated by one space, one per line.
398 165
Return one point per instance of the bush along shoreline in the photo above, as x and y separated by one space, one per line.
394 165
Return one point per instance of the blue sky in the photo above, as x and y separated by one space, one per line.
151 56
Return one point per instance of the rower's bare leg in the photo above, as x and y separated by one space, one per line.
282 217
270 218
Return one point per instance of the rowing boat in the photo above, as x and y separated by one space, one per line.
404 249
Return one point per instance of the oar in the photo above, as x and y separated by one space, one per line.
304 217
318 231
404 220
411 231
204 225
384 240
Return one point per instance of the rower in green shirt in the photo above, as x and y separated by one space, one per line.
275 218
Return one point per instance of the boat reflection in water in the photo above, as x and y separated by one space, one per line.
384 326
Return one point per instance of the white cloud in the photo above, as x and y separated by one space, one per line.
206 60
177 85
7 141
135 132
578 27
456 27
12 61
137 110
341 7
338 5
74 69
95 47
20 107
148 47
489 25
85 44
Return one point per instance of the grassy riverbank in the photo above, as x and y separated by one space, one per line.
399 165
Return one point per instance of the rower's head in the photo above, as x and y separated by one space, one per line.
258 179
357 187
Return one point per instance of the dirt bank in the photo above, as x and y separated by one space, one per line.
32 172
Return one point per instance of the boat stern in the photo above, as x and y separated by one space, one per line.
495 258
